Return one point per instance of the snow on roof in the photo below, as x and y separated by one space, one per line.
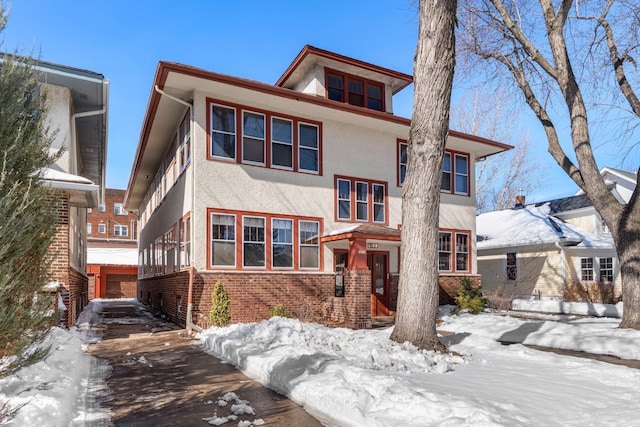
112 256
532 225
50 174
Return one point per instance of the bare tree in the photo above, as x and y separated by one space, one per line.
433 79
543 46
499 178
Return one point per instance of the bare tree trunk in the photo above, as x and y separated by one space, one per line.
627 239
433 78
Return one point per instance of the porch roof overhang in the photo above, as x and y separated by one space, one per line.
83 193
363 231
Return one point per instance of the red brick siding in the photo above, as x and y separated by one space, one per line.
309 297
109 219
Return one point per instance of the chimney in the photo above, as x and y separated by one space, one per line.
520 201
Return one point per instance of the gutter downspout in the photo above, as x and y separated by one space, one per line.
189 322
564 266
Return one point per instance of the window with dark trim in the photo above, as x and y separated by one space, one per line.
360 200
267 241
512 266
354 90
223 240
453 251
455 173
402 161
266 139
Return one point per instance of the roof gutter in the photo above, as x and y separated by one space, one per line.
102 111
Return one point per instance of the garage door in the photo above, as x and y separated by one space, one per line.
121 285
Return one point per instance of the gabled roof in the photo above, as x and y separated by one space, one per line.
532 226
567 204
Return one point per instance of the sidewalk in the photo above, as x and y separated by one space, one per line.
159 376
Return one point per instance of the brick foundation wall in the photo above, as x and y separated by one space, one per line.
309 297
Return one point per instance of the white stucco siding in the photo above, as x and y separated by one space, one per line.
60 110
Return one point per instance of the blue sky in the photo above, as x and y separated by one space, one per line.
124 40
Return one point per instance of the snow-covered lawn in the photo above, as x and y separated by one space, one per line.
361 378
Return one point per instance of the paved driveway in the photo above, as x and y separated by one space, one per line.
159 377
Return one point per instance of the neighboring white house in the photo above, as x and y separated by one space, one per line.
287 193
536 250
77 110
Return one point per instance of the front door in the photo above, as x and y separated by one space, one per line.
378 265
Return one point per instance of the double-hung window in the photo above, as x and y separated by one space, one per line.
455 173
309 244
453 251
606 269
308 148
223 240
402 161
360 200
253 241
223 131
444 252
253 138
282 243
102 229
281 143
586 269
344 199
120 230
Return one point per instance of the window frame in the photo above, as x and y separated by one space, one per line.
238 222
399 164
243 149
353 186
274 243
453 251
210 132
305 245
297 147
263 243
346 92
453 173
282 143
511 269
211 241
121 228
103 227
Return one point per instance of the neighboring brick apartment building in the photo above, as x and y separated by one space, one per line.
288 193
112 254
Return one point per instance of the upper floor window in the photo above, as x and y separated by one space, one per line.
402 161
453 251
266 139
119 210
355 90
360 200
455 173
184 142
102 207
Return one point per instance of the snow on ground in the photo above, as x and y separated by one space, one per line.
362 378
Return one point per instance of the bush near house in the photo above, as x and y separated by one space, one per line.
593 292
280 310
219 314
469 298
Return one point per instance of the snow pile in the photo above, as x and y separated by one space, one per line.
58 390
581 334
586 309
238 408
361 378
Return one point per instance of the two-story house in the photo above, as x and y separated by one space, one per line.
77 110
112 248
538 249
287 193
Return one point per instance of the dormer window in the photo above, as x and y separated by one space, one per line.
354 90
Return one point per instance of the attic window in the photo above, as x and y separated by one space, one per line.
354 90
